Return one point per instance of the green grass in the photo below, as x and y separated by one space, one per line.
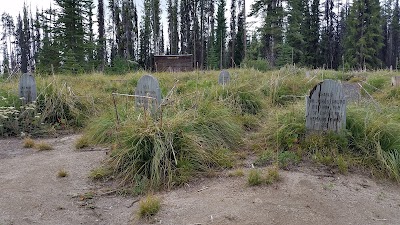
204 127
255 177
149 206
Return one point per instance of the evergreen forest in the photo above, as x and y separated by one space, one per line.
117 36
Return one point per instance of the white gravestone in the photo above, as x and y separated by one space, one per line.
27 88
326 107
148 86
224 78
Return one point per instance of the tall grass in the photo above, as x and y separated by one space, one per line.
186 143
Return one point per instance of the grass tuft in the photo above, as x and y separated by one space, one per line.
62 173
255 177
272 176
100 173
29 143
82 142
236 173
149 206
43 146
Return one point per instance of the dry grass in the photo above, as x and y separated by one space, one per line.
62 173
43 146
29 143
82 142
149 206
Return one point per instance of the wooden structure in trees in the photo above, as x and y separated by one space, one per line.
173 63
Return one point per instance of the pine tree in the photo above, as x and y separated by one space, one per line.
364 35
145 34
173 26
7 33
294 34
220 34
395 28
272 27
101 42
239 50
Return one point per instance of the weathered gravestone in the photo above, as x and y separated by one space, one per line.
352 92
224 78
396 81
308 74
148 86
27 88
326 107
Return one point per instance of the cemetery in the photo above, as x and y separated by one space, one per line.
258 139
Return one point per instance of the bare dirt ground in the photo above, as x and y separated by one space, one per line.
31 193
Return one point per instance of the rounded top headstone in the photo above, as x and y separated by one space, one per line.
27 88
326 107
224 77
148 86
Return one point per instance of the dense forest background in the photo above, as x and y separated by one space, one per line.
71 38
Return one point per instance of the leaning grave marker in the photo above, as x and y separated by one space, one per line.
352 92
396 81
326 107
148 86
27 88
224 78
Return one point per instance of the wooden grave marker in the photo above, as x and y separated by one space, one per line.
396 81
326 107
148 86
27 88
224 78
352 92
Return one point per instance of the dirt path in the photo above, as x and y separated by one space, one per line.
31 193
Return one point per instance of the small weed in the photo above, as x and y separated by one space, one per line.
342 165
149 206
82 142
29 143
255 178
236 173
100 173
43 146
62 173
329 186
272 176
87 195
265 158
287 159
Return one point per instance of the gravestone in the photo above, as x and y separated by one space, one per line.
352 92
308 74
148 86
224 78
27 88
326 107
396 81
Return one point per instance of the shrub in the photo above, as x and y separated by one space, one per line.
257 64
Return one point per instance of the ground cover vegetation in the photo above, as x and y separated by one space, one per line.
205 127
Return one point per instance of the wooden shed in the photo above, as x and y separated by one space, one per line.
173 63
